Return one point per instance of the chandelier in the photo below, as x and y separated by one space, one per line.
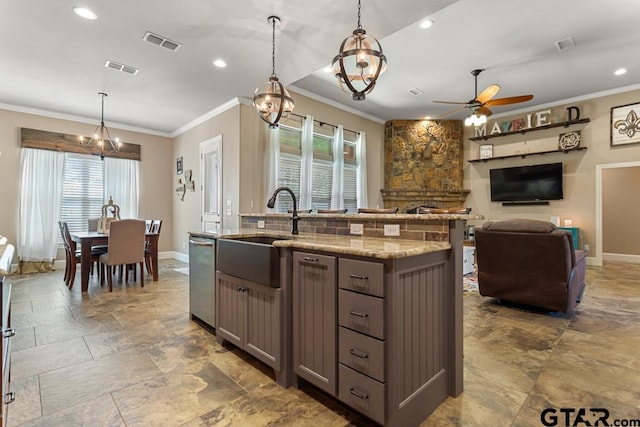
359 63
101 136
271 99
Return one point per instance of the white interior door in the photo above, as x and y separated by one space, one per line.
211 179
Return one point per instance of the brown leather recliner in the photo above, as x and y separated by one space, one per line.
530 262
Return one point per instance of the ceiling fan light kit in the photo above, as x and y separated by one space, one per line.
359 62
271 99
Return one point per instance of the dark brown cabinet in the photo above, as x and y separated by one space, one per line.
249 315
314 320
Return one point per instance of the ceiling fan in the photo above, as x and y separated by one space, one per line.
480 104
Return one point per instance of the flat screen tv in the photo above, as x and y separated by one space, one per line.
526 183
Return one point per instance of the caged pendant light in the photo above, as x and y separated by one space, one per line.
359 63
101 136
271 99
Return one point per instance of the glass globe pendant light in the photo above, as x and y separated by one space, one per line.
359 63
271 99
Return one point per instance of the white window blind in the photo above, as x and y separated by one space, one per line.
322 174
288 176
82 190
350 188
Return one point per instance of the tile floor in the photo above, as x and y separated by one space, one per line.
134 358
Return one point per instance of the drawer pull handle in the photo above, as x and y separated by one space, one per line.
359 394
242 289
9 397
358 314
358 353
355 276
8 333
311 259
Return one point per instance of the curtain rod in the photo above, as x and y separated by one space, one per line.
324 123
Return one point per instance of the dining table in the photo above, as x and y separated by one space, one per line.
87 239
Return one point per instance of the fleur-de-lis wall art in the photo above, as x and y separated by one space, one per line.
625 125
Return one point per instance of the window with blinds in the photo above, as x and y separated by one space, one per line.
322 173
82 191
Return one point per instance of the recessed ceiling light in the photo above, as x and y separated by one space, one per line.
220 63
427 23
427 117
327 69
85 13
620 71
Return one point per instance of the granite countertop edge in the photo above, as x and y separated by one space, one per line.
365 216
373 247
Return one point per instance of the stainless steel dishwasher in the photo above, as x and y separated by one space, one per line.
202 279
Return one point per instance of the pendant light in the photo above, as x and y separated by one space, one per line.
271 99
101 136
359 63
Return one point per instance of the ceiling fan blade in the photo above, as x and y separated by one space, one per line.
488 93
484 110
509 100
451 102
451 112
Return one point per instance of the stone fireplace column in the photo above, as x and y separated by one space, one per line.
423 162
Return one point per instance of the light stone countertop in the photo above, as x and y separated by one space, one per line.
385 248
422 217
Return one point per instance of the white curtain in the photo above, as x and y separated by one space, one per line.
40 198
121 182
272 165
361 177
306 169
337 188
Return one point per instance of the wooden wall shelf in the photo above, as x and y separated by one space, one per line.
527 154
523 131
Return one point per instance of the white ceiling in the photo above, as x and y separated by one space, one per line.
53 61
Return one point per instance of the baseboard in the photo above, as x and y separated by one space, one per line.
621 257
174 255
591 260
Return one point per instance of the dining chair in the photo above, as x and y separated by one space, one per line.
73 255
153 226
92 225
126 246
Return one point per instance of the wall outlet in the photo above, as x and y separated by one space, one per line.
392 229
229 211
229 202
261 223
356 229
586 247
184 245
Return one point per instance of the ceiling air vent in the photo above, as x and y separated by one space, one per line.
121 67
416 91
161 41
565 44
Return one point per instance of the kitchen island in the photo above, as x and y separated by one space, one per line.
375 322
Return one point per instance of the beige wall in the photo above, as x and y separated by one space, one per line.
186 213
620 207
579 202
155 180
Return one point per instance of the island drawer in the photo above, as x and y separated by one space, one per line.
362 353
362 393
361 276
362 313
